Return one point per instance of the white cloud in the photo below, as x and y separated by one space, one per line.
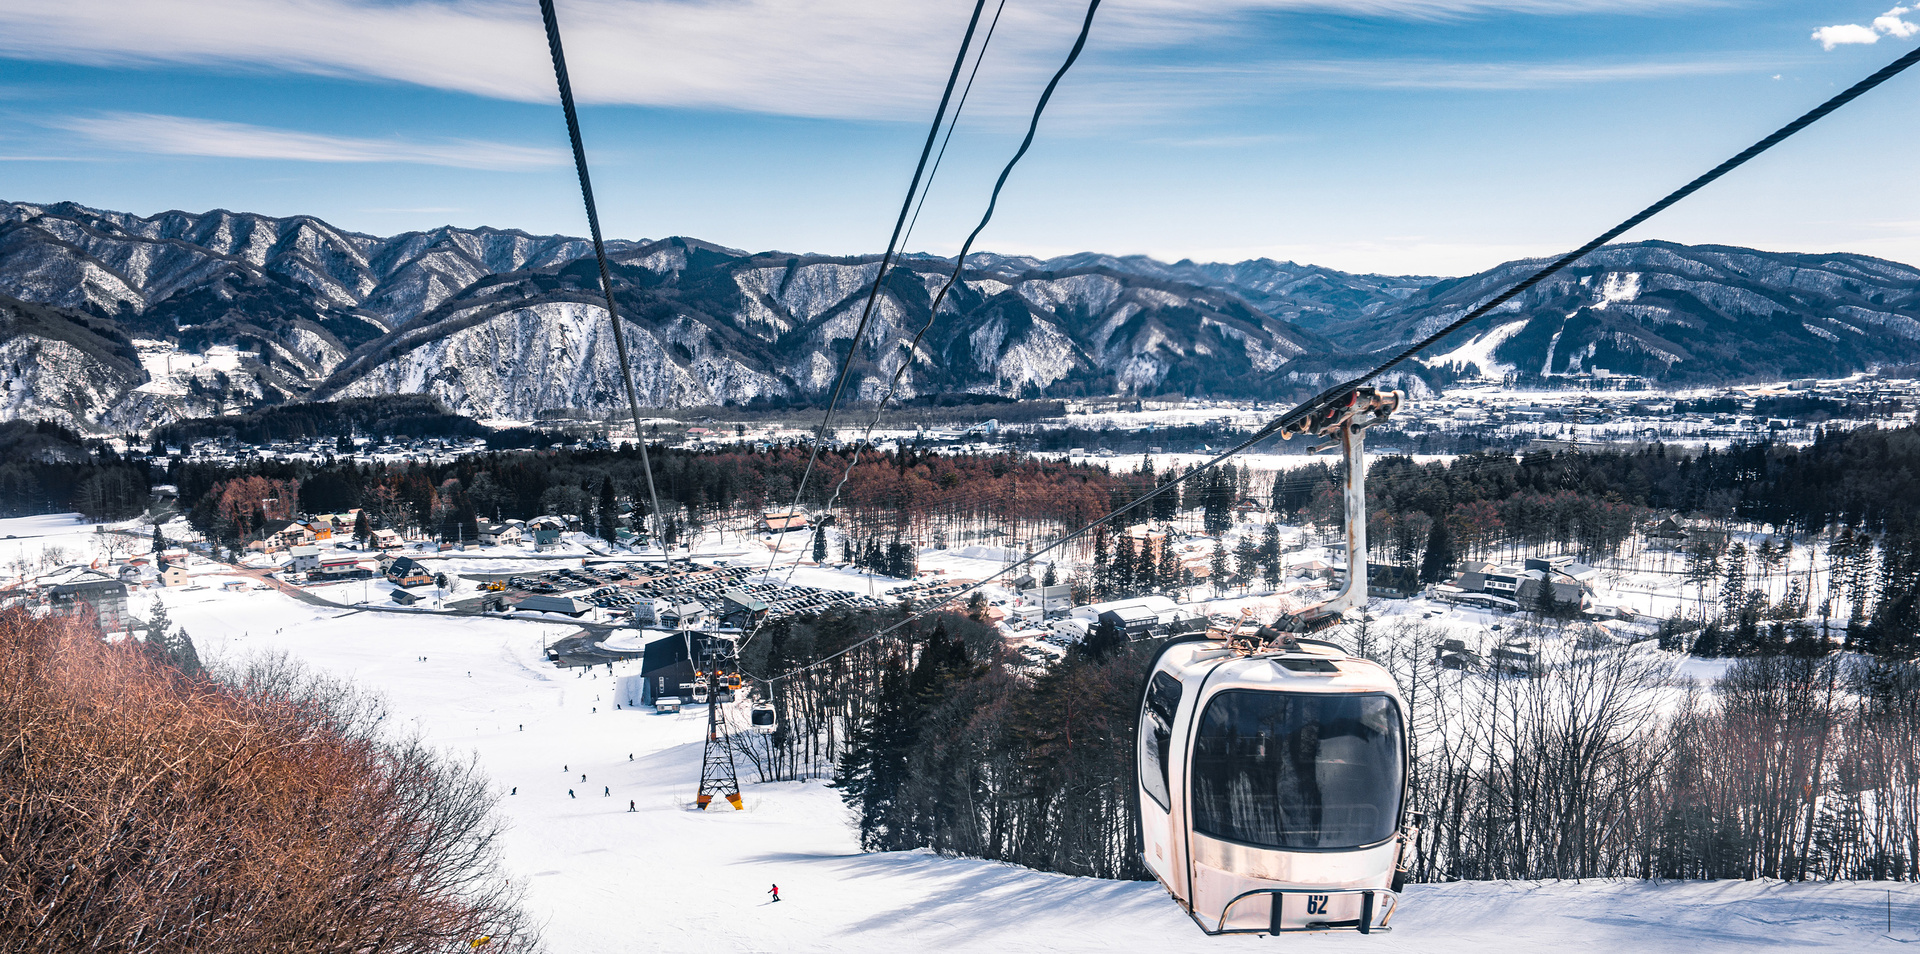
1891 24
841 58
1845 33
185 136
1888 24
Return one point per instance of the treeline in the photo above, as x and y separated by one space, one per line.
1801 763
145 808
899 498
414 415
1797 764
941 738
46 468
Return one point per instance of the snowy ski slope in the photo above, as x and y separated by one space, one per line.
665 878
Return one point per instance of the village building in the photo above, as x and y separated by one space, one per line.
405 571
87 592
740 610
782 522
546 531
687 615
304 559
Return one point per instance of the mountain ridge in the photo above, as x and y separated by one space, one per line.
187 314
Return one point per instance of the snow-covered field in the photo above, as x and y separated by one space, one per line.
664 877
28 540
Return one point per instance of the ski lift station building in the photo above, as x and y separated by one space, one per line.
666 661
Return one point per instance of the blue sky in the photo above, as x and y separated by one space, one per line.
1398 136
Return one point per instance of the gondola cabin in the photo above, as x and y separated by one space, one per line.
1272 785
763 718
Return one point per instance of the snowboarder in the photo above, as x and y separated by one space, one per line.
583 776
775 891
630 805
570 794
607 791
516 790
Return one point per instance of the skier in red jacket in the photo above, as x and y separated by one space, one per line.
775 891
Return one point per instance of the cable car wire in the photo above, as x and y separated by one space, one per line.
960 261
879 407
1033 126
600 255
886 260
953 124
1327 397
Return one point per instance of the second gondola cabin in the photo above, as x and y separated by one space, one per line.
1272 786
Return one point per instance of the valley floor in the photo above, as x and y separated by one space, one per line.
663 877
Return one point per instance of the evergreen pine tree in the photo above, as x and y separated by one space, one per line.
1102 567
155 646
1270 569
873 769
1123 568
159 539
1439 560
609 507
820 544
1246 563
362 530
182 654
1103 640
1217 567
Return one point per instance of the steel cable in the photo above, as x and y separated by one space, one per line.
600 255
886 260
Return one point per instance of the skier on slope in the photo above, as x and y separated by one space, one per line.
775 891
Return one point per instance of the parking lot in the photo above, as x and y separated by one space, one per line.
619 586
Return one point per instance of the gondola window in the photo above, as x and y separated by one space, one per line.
1156 734
1298 770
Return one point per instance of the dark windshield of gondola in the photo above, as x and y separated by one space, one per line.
1298 770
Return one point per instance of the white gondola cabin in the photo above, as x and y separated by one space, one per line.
1272 787
1271 766
763 719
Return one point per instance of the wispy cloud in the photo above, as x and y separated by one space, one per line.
1886 24
1434 74
186 136
841 58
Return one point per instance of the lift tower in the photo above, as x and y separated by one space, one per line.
717 773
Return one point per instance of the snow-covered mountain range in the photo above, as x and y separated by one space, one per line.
115 321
